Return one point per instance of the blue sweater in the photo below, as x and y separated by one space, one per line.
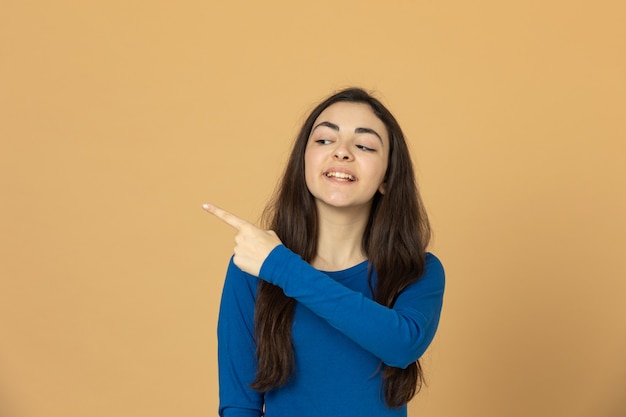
340 336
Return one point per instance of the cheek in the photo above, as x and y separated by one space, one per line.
312 158
309 164
382 171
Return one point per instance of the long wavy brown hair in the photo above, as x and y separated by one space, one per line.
394 242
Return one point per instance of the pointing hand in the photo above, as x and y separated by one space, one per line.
252 245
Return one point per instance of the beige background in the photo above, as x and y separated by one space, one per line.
118 119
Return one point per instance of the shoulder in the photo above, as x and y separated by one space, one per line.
425 294
434 273
433 265
236 280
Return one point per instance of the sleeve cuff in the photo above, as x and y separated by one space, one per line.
274 261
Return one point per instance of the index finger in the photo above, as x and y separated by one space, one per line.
225 216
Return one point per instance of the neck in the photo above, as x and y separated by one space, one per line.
340 237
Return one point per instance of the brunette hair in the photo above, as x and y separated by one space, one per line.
394 242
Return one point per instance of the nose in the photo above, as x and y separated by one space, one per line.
342 153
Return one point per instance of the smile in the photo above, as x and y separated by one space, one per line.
340 175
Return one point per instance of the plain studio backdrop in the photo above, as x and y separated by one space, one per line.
118 119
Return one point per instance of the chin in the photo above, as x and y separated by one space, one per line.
342 204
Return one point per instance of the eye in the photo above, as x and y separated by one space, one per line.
323 141
365 148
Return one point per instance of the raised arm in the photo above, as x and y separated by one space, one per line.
397 335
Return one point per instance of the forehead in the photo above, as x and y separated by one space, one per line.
350 116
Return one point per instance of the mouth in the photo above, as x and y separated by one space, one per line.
342 176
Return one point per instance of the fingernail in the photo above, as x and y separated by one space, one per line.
206 206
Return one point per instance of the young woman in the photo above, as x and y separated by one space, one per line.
327 312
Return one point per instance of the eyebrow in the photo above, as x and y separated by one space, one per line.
357 130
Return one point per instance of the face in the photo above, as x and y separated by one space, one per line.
346 156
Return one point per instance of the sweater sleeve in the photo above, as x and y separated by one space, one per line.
398 336
236 347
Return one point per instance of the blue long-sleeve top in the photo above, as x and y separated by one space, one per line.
340 337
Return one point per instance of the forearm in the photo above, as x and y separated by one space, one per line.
398 336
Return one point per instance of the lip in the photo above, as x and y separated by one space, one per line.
341 170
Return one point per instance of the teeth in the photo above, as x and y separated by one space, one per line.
341 175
